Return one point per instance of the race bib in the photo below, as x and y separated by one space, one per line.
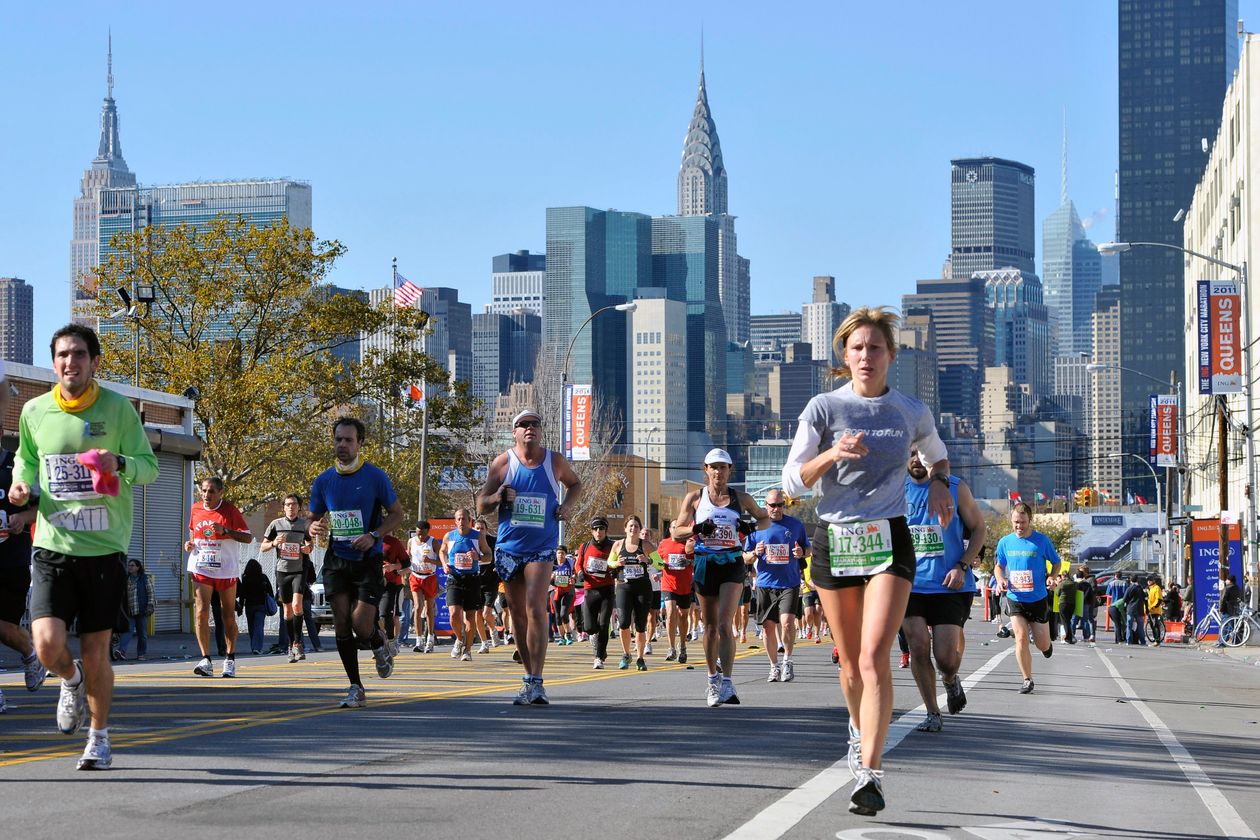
778 553
529 510
632 571
676 561
723 537
562 580
464 561
860 548
290 551
425 569
4 525
597 565
929 540
345 524
1022 580
208 557
68 480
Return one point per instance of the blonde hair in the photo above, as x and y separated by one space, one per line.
882 318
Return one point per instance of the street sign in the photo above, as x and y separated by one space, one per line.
1177 521
1192 508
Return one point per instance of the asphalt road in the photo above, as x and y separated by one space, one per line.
1115 742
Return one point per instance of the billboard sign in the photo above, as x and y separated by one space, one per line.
578 410
1220 350
1164 430
1205 554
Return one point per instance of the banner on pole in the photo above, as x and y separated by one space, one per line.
578 405
1164 430
1220 352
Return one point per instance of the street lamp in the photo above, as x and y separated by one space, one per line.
646 509
1222 421
1159 506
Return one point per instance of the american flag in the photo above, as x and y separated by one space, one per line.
406 293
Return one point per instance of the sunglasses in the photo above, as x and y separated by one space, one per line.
774 504
528 424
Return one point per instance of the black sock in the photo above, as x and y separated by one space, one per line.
295 629
377 639
231 657
348 650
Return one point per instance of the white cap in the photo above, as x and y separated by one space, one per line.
718 456
529 412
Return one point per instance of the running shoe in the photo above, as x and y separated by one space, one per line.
301 652
682 656
673 656
417 648
905 661
647 649
540 695
599 664
205 668
1003 632
457 649
713 693
97 755
782 649
465 657
1048 652
1027 687
355 698
640 665
727 693
932 723
526 694
516 656
484 647
72 704
855 751
789 670
955 697
867 798
293 655
835 655
624 663
428 646
775 674
384 662
36 673
229 668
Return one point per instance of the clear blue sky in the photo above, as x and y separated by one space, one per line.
439 133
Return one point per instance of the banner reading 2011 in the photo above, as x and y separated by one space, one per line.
1220 351
578 404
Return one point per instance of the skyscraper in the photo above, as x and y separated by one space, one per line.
1071 273
505 350
964 339
914 371
657 358
991 216
1021 327
516 282
821 317
108 169
17 320
1175 62
1105 400
702 188
448 338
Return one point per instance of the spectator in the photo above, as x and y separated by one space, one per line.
251 598
1115 606
1067 590
1174 606
1134 605
1231 597
138 606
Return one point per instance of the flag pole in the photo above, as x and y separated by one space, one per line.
424 443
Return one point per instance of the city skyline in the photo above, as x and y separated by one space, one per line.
762 72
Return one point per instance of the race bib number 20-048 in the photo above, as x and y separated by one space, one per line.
860 548
345 524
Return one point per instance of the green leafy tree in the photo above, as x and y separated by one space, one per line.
244 314
1057 527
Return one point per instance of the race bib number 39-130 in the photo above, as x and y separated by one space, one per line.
860 548
529 510
929 540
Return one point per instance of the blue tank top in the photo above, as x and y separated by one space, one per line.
529 525
936 550
462 553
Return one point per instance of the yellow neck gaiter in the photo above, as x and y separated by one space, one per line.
82 403
352 467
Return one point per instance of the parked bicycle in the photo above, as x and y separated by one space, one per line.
1236 629
1204 627
1155 629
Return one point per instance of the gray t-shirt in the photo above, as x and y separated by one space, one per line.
289 534
872 487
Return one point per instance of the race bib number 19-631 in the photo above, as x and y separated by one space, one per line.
860 548
529 510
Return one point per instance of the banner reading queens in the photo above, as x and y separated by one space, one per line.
1220 354
1164 430
578 405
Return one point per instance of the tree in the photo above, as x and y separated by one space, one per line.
1055 526
243 313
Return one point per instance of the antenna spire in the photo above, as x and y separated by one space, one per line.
1063 191
109 67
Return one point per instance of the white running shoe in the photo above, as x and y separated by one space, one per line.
789 671
355 698
727 692
867 798
526 694
599 664
72 704
428 645
465 657
384 662
229 667
855 751
484 647
539 697
647 649
457 649
36 673
292 654
97 755
775 674
205 668
713 693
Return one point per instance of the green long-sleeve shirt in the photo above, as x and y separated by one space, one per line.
74 519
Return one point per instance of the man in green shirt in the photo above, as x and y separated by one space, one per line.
86 447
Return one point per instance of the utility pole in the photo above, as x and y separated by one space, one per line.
1222 464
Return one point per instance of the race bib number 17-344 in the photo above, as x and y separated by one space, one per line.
860 548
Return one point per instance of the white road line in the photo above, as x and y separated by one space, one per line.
778 818
1217 804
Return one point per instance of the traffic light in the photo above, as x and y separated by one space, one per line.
1082 497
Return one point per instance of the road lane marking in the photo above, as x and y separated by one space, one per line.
1216 802
779 817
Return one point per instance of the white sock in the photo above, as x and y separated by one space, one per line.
99 734
74 681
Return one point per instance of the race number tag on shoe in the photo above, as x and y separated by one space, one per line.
929 540
68 480
529 510
860 548
778 553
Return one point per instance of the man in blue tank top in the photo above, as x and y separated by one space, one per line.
944 586
524 487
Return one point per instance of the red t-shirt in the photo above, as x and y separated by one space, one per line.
215 557
592 561
395 552
675 575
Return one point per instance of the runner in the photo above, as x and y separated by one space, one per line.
216 530
288 536
944 587
676 584
1023 560
15 564
777 553
360 505
459 553
492 610
86 448
597 585
394 563
631 557
810 608
852 445
713 514
423 585
524 485
562 595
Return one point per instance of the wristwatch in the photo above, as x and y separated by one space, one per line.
122 462
941 477
376 535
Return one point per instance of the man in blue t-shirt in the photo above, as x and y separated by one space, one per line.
353 503
1116 588
777 552
1021 563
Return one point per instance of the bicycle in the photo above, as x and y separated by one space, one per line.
1155 629
1203 628
1237 628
